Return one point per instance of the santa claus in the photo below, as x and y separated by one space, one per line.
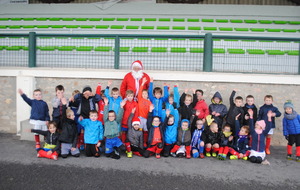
133 79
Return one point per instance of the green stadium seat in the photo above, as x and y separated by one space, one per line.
77 38
265 21
136 19
273 30
159 49
257 29
150 19
72 26
207 20
225 29
66 48
161 39
81 19
270 41
95 19
47 48
41 19
164 19
241 29
147 27
14 27
84 48
230 40
275 52
28 19
216 40
15 19
2 47
109 19
25 48
250 21
117 27
144 38
178 19
54 19
13 48
61 38
42 26
122 19
280 22
178 39
140 49
163 28
196 39
255 51
293 52
178 27
4 19
218 50
196 50
27 26
289 30
102 26
178 50
210 28
3 27
124 49
236 51
294 22
222 20
193 20
57 26
194 28
68 19
236 21
103 48
86 26
132 27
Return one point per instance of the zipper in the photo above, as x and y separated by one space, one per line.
258 143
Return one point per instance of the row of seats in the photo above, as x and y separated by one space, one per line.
247 21
154 50
131 27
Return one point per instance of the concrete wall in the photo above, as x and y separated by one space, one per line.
14 109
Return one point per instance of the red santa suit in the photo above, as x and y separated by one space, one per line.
133 80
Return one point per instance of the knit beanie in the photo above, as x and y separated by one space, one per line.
86 88
136 121
288 104
262 123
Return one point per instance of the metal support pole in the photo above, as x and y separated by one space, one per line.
32 50
208 53
117 52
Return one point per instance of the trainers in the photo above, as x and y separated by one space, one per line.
37 146
201 155
208 154
245 158
214 154
233 157
188 156
129 154
173 154
268 151
54 157
298 159
289 157
157 156
38 155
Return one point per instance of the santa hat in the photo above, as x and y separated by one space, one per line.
136 121
137 63
262 123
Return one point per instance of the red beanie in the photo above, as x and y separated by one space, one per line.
137 63
136 121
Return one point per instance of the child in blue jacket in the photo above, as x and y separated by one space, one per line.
170 133
115 99
93 134
291 129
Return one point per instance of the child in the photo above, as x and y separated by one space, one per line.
235 109
173 102
217 109
51 146
262 115
128 107
157 100
212 138
74 107
143 109
156 134
69 134
115 99
291 129
197 142
39 116
134 143
249 105
183 140
170 134
201 105
101 103
112 122
225 142
187 104
259 133
57 105
240 148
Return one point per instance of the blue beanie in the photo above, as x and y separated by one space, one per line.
288 104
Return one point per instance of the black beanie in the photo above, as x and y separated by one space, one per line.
86 88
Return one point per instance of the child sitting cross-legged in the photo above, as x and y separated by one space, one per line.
197 142
225 142
51 146
212 137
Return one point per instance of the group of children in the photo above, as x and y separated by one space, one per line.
158 123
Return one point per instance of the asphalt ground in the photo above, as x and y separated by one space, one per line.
21 169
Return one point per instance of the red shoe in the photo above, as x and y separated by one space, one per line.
38 155
188 156
201 155
53 157
268 151
157 156
37 146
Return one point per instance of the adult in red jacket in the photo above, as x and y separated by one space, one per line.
133 80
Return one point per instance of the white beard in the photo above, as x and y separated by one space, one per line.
137 75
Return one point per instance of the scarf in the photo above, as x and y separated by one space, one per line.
290 116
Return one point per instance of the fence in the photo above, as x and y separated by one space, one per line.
158 52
